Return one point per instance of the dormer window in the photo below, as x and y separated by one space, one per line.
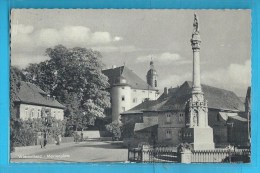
168 118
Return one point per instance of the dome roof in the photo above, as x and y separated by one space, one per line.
152 72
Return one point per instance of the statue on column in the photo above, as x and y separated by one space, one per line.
195 24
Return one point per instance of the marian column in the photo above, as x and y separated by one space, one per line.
198 133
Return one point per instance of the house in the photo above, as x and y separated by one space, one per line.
128 90
169 111
32 102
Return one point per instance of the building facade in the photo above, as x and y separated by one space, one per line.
128 90
170 113
32 102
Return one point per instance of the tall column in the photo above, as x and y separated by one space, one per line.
198 133
195 43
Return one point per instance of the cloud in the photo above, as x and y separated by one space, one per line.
174 80
108 49
235 77
117 38
23 36
164 58
21 29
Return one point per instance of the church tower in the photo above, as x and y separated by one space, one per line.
198 133
152 75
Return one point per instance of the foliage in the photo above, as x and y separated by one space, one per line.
15 78
184 146
74 76
26 130
115 129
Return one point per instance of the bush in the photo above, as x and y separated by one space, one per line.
25 132
115 129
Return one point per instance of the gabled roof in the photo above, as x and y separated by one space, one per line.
31 94
217 99
132 79
147 105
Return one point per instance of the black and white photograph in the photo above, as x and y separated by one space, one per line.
130 86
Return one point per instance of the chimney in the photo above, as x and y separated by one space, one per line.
165 91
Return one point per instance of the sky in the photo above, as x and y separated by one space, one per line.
132 37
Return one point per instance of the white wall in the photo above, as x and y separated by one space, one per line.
141 95
34 111
118 104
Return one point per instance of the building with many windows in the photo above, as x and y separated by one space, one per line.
128 90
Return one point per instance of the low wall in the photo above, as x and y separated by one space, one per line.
90 134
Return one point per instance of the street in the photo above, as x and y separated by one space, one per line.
88 151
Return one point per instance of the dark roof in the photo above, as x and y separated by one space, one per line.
31 94
148 105
132 79
217 98
145 126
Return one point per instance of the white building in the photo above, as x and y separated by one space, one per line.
128 90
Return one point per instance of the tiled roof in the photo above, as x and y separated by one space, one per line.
217 99
31 94
132 79
146 125
148 105
239 118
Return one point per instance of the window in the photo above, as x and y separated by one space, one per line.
218 117
32 113
134 90
123 87
143 91
39 113
168 134
168 118
180 134
181 115
123 109
134 100
26 111
123 98
155 83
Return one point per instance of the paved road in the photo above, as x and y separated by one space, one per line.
88 151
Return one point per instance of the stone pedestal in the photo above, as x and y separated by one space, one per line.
199 138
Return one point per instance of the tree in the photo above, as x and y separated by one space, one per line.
75 77
115 129
15 78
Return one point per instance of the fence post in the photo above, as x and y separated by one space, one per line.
186 156
144 153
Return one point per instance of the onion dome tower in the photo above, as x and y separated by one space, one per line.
151 76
